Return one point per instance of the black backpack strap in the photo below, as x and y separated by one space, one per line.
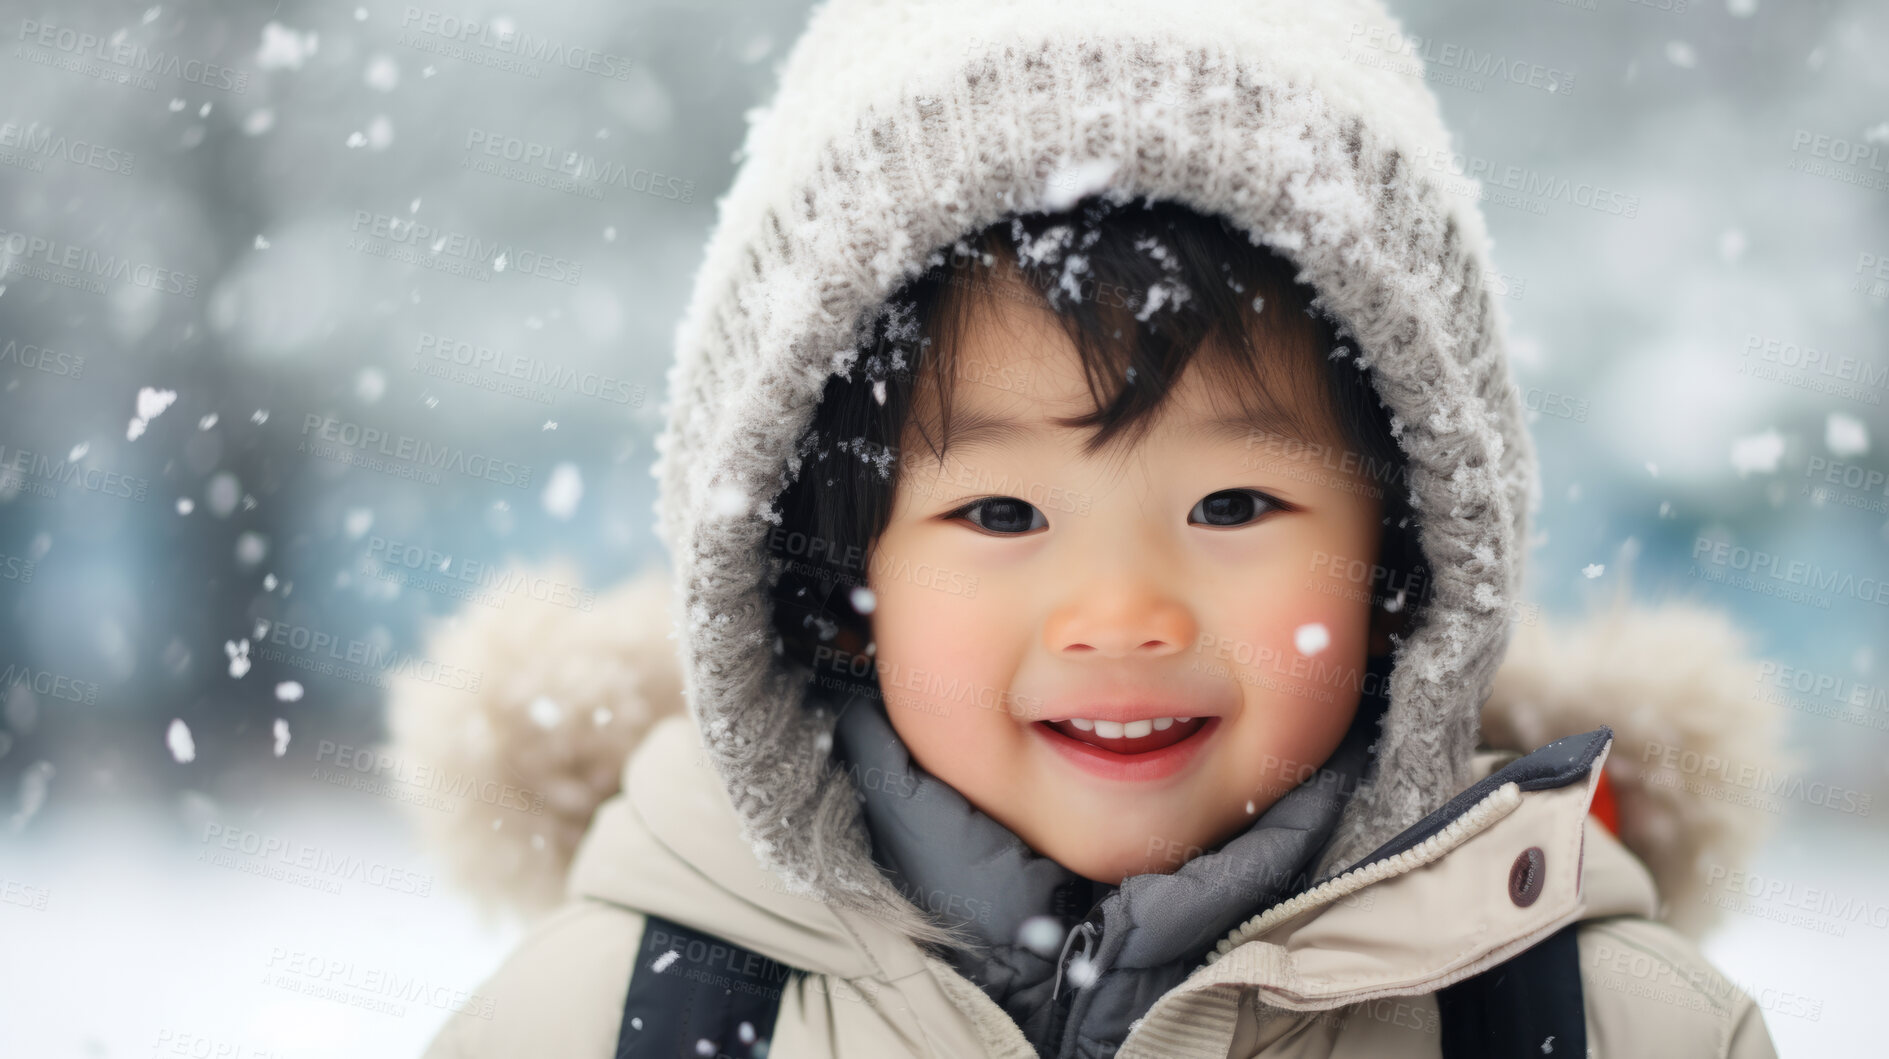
1530 1005
694 994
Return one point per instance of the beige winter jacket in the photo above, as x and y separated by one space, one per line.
1347 969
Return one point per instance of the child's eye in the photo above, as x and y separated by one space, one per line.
1002 514
1233 507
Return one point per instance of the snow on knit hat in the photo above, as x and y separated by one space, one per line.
900 127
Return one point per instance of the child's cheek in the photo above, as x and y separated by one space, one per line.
941 651
944 667
1288 626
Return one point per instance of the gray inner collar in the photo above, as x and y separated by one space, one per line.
1142 937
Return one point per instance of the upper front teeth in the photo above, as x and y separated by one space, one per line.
1124 729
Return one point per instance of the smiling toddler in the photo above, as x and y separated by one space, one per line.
1098 502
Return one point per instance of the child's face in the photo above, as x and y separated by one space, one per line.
1126 589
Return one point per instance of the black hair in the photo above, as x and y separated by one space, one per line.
1139 291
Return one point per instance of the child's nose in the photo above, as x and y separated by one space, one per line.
1120 622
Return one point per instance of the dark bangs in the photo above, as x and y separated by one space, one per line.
1142 290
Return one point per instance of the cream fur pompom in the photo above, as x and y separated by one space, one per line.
565 695
1676 683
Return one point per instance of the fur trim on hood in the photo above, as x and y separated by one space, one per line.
566 694
569 694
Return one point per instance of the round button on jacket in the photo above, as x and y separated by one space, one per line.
1527 875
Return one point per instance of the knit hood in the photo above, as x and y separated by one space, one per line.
900 127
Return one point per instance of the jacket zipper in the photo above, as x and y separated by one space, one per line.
1090 931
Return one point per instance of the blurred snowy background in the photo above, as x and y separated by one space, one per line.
202 584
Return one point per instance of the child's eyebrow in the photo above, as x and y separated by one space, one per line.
988 426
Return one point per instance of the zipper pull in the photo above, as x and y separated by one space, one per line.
1090 931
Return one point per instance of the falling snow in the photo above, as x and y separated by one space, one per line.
1845 435
1593 570
182 747
1758 454
563 492
545 712
1311 638
285 49
288 691
151 404
369 384
1082 972
281 737
251 547
238 652
383 74
380 133
1042 935
662 962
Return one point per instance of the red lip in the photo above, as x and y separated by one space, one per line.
1143 766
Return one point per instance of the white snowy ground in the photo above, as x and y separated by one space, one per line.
1821 991
142 949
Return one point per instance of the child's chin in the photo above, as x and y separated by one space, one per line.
1110 862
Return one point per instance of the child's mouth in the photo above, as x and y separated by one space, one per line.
1137 737
1134 755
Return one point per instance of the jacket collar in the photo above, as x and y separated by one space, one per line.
1138 939
1509 861
1431 907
